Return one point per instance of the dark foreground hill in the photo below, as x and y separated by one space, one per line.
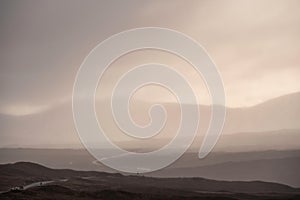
279 170
97 185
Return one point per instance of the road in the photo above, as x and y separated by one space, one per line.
36 184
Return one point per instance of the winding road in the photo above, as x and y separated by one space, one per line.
35 184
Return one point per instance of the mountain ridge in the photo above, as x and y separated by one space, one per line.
276 114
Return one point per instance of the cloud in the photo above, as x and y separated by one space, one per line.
22 110
253 43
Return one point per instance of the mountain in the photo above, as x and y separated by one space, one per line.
275 114
259 141
54 128
97 185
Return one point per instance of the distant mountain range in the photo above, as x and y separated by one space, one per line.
277 119
275 114
259 141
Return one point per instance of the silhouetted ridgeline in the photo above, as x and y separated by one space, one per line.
98 185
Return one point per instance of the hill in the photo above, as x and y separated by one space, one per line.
93 185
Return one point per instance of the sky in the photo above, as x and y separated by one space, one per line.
255 45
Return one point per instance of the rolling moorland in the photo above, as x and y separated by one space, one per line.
70 184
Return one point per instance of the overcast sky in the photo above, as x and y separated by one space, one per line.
255 45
